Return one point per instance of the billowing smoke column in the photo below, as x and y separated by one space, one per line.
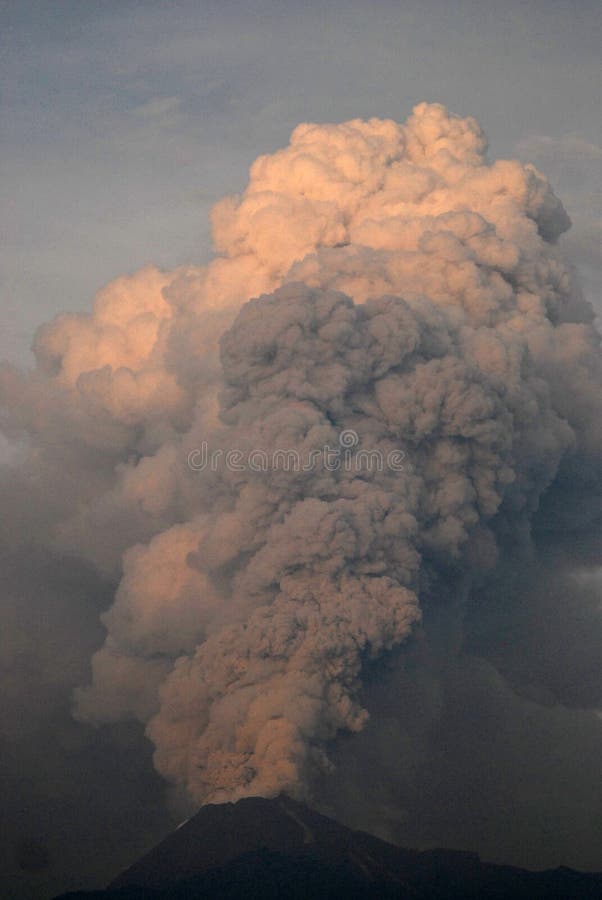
407 292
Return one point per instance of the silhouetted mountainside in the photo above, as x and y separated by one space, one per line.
279 848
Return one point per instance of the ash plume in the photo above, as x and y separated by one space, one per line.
374 278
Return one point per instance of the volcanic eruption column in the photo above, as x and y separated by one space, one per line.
408 291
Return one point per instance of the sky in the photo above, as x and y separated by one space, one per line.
122 124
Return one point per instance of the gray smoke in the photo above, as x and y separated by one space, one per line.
409 295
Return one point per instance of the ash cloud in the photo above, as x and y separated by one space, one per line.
405 288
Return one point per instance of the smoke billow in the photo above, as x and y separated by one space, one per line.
407 291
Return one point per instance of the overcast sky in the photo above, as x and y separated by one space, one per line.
122 122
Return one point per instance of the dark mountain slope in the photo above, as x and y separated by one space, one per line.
279 848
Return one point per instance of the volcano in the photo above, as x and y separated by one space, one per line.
259 848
